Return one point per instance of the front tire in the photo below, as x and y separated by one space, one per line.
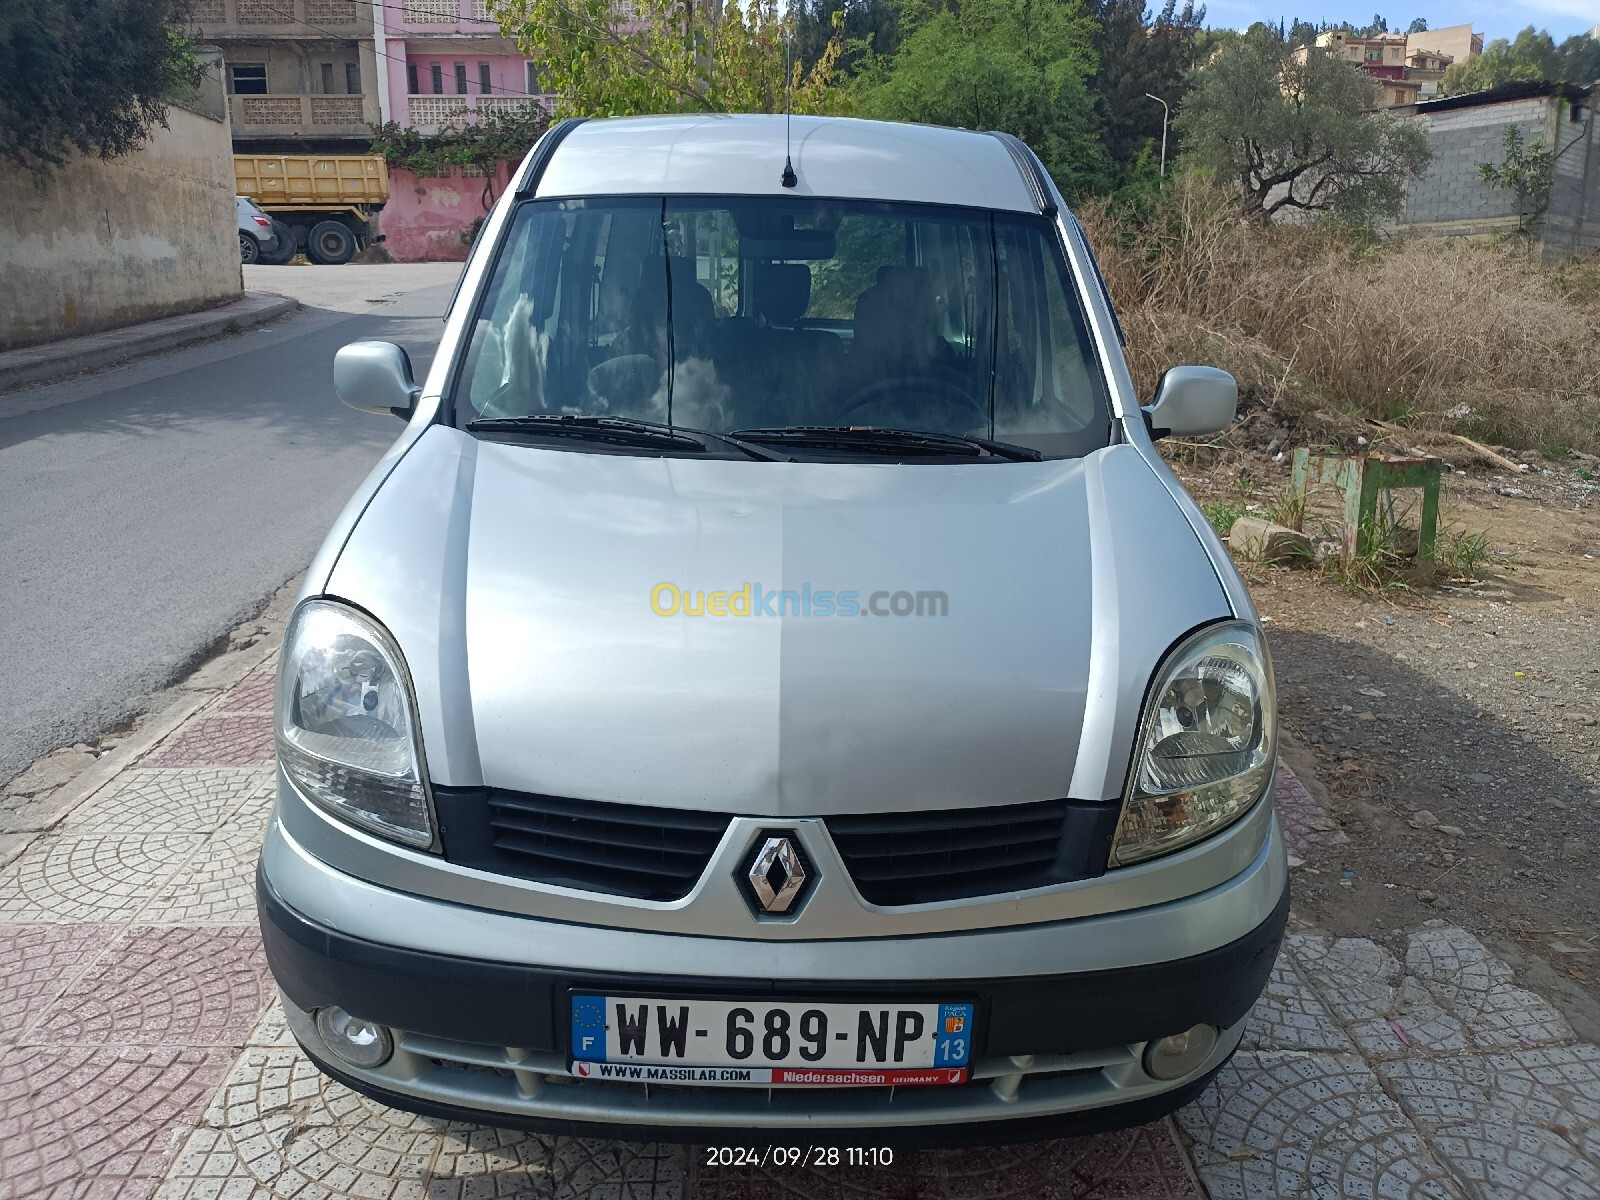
249 248
330 244
285 248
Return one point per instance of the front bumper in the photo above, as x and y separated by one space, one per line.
482 1037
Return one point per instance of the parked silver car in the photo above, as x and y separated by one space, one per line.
774 688
256 235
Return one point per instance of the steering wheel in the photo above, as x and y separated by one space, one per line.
914 392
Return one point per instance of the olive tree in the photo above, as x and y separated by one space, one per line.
1296 128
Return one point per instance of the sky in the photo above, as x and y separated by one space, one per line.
1492 18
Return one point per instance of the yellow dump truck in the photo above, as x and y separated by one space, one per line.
322 205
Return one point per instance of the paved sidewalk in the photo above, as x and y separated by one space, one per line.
67 356
142 1053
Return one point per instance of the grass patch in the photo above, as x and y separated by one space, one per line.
1459 555
1288 508
1222 515
1316 318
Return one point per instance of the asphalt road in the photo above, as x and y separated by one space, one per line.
147 509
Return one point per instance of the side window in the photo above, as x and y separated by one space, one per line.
1073 391
508 352
1045 377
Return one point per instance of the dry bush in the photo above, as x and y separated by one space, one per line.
1446 334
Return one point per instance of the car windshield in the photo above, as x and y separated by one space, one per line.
745 315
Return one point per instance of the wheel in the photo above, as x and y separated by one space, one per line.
249 248
285 249
330 244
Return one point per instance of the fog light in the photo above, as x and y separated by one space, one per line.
360 1043
1174 1057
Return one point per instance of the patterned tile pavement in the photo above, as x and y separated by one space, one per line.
37 960
166 986
97 1121
228 739
141 1055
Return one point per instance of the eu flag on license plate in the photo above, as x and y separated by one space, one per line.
589 1028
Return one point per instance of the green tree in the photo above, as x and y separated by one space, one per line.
1528 170
627 57
1018 65
1532 54
1579 59
87 75
869 27
1293 129
1140 55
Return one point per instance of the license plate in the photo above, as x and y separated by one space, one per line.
648 1039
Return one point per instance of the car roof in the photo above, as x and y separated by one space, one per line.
834 157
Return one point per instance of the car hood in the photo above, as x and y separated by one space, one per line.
525 587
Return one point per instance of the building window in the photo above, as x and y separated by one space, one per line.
436 74
461 79
411 79
247 79
484 85
536 83
327 79
352 78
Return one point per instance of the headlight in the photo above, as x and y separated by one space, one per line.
1206 747
346 724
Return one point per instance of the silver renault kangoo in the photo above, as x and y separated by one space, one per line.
773 692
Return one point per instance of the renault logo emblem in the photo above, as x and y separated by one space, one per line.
777 875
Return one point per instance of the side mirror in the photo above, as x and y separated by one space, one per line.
376 377
1192 401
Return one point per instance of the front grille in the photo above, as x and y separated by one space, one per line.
617 849
950 854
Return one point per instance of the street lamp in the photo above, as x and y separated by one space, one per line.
1166 112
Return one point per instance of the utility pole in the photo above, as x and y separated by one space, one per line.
1166 113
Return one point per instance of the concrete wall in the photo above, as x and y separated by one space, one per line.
298 103
1458 41
1450 195
425 218
105 243
1572 224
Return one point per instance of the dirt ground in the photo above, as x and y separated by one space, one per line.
1455 727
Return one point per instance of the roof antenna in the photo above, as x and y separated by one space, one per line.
790 179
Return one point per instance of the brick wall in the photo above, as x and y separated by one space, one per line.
1452 191
1572 225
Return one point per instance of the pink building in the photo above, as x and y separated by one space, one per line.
445 62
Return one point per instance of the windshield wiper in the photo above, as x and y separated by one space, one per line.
621 431
872 438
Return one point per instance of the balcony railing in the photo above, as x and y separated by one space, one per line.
430 113
446 12
313 116
281 18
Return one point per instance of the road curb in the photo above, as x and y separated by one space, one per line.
33 364
221 674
